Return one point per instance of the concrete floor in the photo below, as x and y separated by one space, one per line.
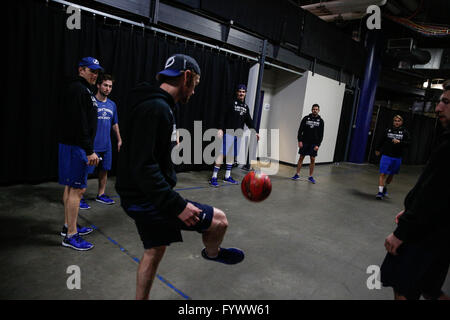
304 242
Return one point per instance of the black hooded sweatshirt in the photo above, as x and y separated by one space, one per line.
146 174
235 116
427 205
389 148
78 114
311 130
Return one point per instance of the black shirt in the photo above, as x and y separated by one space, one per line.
427 205
311 130
78 114
146 174
389 148
236 115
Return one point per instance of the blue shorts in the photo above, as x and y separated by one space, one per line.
105 164
308 150
72 166
159 229
231 145
390 165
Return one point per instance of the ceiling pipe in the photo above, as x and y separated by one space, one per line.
343 16
341 6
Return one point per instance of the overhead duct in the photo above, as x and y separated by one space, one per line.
414 57
440 60
343 16
406 53
342 7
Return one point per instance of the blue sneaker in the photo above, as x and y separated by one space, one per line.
84 205
296 177
380 196
81 230
104 199
213 182
77 242
227 256
311 179
230 180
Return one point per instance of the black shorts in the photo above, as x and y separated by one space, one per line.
159 229
416 270
308 150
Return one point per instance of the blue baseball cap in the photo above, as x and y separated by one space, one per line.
241 87
91 63
178 63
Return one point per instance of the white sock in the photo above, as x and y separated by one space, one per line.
228 172
380 188
216 170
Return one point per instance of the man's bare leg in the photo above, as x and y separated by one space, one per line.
72 207
312 165
213 237
389 179
65 198
299 163
147 271
102 179
381 179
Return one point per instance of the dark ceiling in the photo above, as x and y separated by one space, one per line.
396 16
423 12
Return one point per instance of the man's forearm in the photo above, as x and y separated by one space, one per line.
117 131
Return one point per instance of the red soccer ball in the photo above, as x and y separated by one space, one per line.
256 186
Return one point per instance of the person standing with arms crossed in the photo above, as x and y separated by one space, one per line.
76 148
309 137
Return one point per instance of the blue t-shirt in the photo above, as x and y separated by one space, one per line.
106 118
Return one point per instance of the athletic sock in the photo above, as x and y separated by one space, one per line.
216 170
380 188
228 172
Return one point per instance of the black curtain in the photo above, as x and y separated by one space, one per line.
423 132
43 53
344 127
